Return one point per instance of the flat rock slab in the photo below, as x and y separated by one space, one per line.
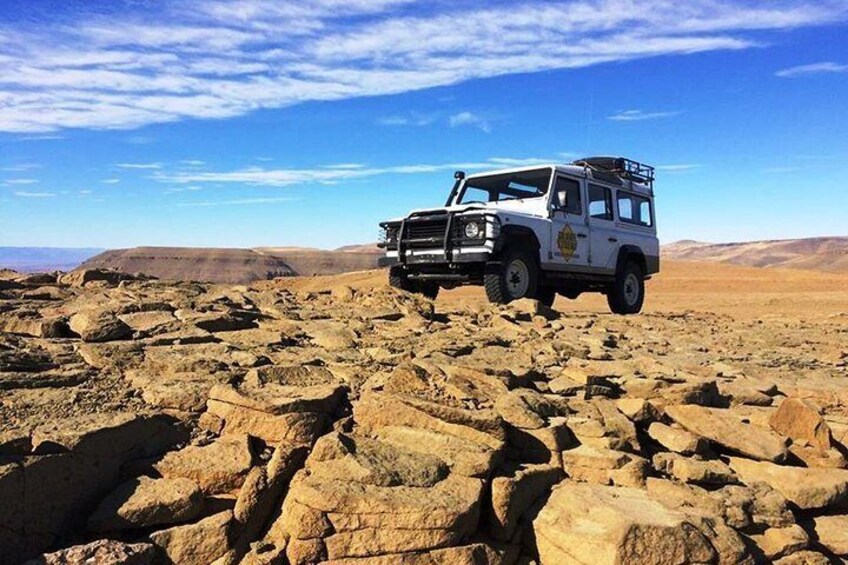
145 502
807 488
729 430
219 467
358 498
592 524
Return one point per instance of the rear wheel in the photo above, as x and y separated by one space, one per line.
398 279
511 278
546 295
627 293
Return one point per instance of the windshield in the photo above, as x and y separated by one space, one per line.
509 186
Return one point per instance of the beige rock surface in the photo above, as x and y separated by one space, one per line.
429 428
584 523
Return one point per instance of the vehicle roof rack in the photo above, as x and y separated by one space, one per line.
624 169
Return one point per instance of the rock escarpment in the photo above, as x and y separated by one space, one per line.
148 422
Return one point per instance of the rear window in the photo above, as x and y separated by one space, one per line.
634 209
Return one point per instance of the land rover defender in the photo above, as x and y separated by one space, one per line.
536 232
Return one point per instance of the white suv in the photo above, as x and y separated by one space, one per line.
534 232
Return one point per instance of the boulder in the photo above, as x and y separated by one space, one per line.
219 467
514 491
275 404
472 554
729 430
200 543
100 551
98 325
801 420
585 523
806 488
361 498
677 439
144 502
691 470
780 542
832 533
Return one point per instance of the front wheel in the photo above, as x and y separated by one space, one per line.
398 279
511 278
627 293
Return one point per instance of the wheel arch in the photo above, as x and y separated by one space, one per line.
631 253
512 233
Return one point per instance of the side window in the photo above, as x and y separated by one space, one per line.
634 209
600 202
567 196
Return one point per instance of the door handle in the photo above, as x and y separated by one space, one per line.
582 235
613 240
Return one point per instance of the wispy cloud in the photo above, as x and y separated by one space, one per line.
26 194
142 166
413 119
225 58
812 69
329 174
111 181
20 167
238 202
639 116
470 119
11 182
678 168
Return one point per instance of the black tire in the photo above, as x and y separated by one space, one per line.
398 279
627 293
506 280
546 295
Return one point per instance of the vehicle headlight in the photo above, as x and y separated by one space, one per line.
473 230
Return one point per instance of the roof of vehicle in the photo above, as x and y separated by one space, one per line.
577 171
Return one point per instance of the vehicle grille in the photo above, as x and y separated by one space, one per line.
422 234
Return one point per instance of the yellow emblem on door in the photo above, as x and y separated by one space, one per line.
567 242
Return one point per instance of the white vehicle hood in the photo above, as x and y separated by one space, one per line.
511 206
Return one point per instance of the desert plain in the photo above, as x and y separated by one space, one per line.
332 419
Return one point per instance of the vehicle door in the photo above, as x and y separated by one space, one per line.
603 235
569 237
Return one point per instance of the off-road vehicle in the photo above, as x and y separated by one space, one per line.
536 232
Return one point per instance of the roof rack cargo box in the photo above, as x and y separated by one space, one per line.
622 167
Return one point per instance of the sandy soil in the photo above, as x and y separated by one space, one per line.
741 292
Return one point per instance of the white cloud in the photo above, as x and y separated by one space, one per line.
258 176
25 194
812 69
141 166
413 119
111 181
679 168
639 115
20 167
238 202
20 181
470 119
225 58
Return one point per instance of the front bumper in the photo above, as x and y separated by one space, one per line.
436 256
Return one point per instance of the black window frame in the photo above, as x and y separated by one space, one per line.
609 216
554 191
635 206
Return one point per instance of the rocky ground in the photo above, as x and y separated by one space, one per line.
145 422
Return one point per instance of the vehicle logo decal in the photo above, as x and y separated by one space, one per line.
567 242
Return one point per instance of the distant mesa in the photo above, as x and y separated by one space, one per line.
817 253
234 265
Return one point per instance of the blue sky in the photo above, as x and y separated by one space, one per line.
224 123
